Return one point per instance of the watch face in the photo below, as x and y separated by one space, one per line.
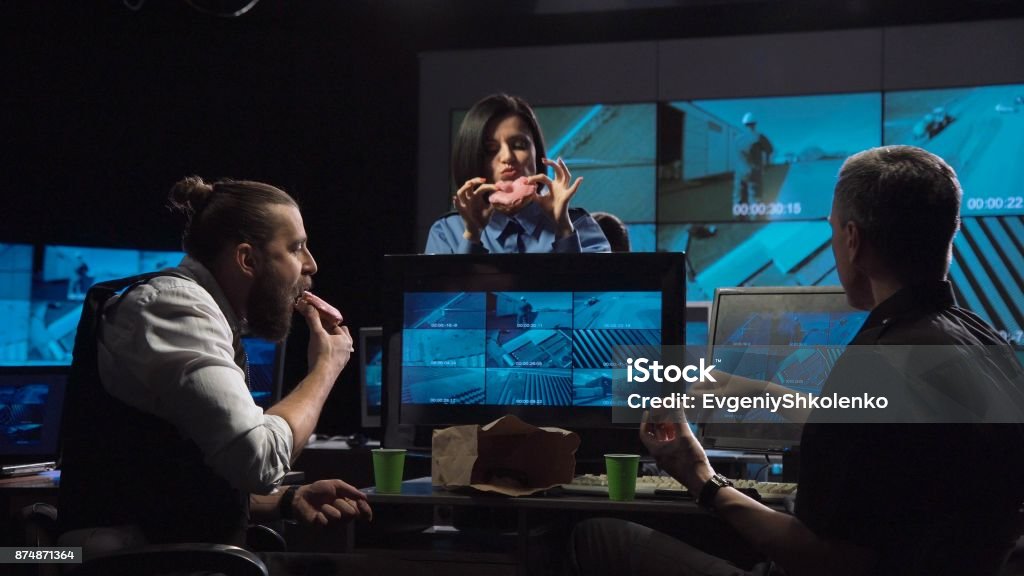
721 481
706 497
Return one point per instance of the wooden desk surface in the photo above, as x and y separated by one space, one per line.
50 479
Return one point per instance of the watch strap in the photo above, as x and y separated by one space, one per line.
284 505
706 498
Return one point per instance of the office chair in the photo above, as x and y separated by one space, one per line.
175 559
38 527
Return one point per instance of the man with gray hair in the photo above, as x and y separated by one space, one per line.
873 498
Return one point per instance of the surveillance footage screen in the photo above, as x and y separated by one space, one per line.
59 289
30 411
980 132
612 146
15 288
745 185
521 348
759 159
790 338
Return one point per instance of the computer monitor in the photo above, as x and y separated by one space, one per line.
744 184
470 338
371 373
59 289
774 334
15 288
31 407
988 249
697 314
613 147
266 370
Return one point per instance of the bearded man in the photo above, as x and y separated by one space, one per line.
168 445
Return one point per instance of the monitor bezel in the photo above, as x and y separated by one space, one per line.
406 426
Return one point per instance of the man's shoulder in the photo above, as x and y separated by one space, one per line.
172 283
949 326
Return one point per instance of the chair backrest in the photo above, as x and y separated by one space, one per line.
176 559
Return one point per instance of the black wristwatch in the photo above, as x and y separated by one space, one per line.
284 505
706 498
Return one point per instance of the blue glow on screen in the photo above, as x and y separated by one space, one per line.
374 371
263 370
979 131
612 146
31 405
15 288
524 348
22 414
59 288
761 159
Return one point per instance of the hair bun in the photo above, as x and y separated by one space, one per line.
190 195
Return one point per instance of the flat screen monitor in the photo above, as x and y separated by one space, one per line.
15 291
697 314
787 335
266 370
31 406
470 338
59 289
979 131
613 147
745 184
371 374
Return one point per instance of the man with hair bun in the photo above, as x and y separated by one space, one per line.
173 447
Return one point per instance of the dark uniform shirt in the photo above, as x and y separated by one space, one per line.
930 499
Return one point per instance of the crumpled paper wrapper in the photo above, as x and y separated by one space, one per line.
507 456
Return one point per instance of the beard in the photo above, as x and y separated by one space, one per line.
271 303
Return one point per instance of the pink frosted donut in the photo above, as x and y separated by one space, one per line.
509 193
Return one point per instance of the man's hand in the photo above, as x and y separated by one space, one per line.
329 348
327 501
668 438
727 384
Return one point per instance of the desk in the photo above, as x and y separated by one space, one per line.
530 513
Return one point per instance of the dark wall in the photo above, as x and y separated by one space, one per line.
104 108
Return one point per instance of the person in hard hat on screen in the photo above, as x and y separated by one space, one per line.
754 151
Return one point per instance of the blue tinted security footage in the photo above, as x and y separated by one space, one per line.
522 348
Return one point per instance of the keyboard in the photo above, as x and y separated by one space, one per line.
666 486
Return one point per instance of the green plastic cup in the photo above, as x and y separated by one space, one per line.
388 464
621 470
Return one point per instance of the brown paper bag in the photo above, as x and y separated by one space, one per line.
507 456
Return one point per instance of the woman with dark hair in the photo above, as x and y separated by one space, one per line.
506 202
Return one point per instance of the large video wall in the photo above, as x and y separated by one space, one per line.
728 148
41 297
